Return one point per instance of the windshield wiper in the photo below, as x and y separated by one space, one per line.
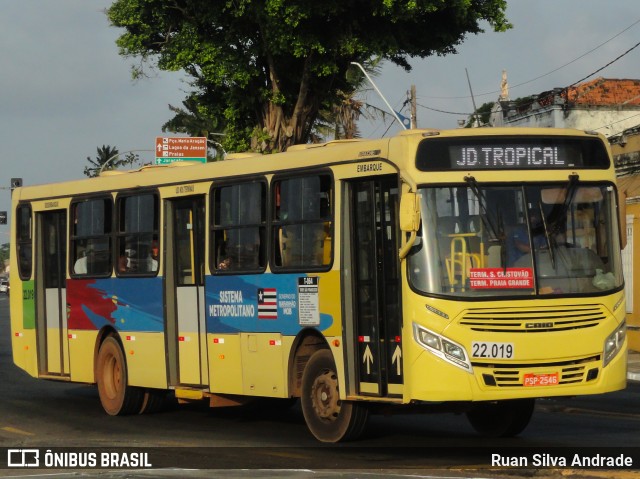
569 194
547 237
496 230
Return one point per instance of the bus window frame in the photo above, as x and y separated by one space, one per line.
275 224
213 228
119 236
72 237
21 242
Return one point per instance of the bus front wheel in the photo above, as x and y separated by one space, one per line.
328 417
501 418
116 396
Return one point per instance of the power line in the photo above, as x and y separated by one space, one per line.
444 111
619 121
578 58
610 63
565 89
543 75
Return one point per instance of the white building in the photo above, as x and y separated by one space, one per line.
608 106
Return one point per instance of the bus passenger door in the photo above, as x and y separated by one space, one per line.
186 327
51 298
373 313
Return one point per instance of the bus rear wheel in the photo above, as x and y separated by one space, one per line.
153 400
116 396
501 418
328 417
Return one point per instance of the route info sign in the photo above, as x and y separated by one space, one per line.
180 148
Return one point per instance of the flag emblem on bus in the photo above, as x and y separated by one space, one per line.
267 304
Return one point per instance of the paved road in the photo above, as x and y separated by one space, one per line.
266 442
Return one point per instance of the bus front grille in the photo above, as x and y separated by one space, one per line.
513 375
533 320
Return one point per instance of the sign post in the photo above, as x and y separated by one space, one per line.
180 148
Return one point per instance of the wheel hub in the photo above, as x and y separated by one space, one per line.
325 396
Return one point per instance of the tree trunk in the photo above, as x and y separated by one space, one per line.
281 130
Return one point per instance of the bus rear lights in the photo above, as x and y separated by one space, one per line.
613 343
442 347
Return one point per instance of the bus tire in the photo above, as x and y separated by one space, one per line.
501 418
328 418
153 400
116 396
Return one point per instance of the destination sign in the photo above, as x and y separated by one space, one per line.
500 152
508 157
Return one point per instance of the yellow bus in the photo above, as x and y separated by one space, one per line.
471 270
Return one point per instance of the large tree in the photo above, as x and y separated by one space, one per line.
264 69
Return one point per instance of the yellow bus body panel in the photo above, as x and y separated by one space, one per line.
262 359
23 343
82 346
146 359
225 364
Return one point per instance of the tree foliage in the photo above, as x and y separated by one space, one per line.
4 255
481 116
195 119
265 69
108 158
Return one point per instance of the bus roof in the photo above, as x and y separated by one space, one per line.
297 157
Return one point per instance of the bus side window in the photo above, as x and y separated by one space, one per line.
137 234
91 237
239 227
302 220
23 241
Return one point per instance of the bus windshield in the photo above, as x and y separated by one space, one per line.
543 239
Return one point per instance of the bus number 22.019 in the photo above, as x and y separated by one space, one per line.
492 350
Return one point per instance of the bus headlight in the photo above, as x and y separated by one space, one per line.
614 342
442 347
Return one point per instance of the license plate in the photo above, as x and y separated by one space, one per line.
540 379
481 349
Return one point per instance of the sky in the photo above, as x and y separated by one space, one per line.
65 90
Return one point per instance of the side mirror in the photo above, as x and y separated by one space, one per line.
409 220
622 217
409 213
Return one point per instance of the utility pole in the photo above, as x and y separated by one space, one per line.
473 101
414 110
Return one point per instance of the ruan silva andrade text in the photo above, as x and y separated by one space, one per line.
575 460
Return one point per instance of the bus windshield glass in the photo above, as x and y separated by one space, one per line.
544 239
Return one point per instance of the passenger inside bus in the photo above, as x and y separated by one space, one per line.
80 266
122 264
518 243
152 260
